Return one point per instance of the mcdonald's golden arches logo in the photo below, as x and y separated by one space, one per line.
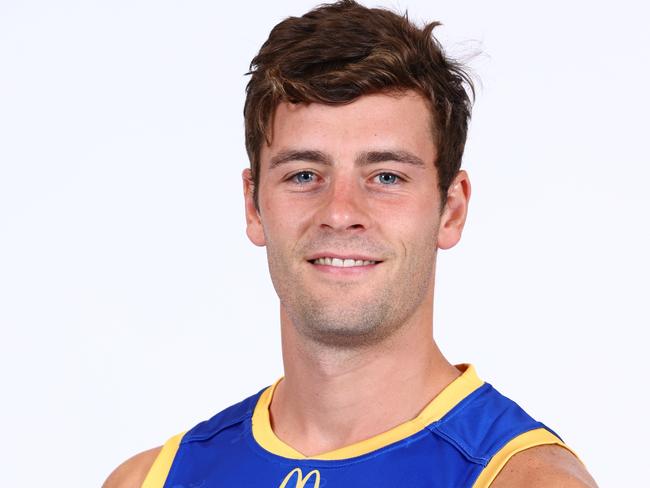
301 482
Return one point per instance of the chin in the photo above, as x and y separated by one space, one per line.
355 328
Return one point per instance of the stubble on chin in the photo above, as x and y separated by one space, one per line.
348 318
342 327
345 317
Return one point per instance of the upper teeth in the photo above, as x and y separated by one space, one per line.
343 263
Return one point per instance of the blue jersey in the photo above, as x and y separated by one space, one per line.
461 439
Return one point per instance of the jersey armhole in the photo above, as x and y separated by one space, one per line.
159 470
532 438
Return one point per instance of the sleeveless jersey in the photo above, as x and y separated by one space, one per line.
463 438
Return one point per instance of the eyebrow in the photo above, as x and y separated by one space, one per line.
363 159
399 156
289 155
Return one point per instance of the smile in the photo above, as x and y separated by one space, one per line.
342 263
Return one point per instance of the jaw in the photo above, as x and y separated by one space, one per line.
341 307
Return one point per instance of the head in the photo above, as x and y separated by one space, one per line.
355 128
338 52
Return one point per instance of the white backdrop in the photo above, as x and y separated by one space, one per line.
132 305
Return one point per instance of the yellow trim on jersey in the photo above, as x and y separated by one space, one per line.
532 438
447 399
160 468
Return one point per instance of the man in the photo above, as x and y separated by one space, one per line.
355 129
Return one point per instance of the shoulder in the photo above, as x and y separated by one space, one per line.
132 472
544 467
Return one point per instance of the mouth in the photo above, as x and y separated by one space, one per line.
343 262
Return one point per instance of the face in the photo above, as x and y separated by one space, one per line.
350 214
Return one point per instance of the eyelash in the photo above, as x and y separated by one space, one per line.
398 179
294 178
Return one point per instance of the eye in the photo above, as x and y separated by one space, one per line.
303 177
387 178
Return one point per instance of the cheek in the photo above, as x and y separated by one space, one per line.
416 223
283 223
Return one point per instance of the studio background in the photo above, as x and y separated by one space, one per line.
132 305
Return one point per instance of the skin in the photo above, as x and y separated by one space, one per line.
132 472
345 336
359 180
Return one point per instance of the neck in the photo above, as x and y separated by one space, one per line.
331 398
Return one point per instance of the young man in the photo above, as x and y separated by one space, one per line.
355 128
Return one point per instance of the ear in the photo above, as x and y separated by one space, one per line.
454 214
254 229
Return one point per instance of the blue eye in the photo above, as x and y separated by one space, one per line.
387 178
303 177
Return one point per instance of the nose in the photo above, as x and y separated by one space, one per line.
344 206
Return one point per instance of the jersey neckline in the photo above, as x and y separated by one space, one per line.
448 398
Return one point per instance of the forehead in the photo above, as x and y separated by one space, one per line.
371 122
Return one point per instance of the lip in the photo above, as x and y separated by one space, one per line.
340 272
356 257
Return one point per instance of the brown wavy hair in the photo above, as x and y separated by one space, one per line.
338 52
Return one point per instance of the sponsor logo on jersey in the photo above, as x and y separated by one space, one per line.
301 482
